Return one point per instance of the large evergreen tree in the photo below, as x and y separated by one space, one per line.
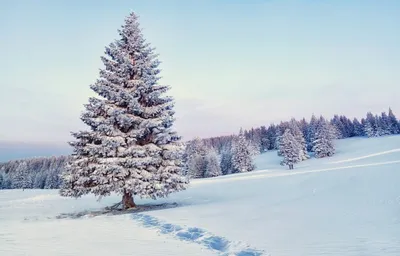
130 148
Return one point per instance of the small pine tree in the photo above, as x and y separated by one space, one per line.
323 143
213 168
311 132
337 122
194 158
384 124
298 135
241 155
393 123
271 136
196 166
40 181
131 148
22 177
264 139
226 161
278 138
369 130
370 126
290 149
358 128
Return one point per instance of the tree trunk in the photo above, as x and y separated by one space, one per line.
290 167
127 201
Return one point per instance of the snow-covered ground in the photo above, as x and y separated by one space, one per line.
345 205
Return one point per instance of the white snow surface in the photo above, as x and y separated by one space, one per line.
345 205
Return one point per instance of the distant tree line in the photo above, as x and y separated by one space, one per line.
34 173
294 141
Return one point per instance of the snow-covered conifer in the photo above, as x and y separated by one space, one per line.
311 132
21 177
213 168
264 139
358 128
131 148
384 123
226 161
254 147
40 181
290 149
242 160
271 136
196 166
394 125
278 137
370 126
324 139
369 130
298 135
338 124
194 161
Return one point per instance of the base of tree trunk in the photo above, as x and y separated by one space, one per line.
290 167
127 201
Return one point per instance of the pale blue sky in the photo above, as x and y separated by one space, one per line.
230 63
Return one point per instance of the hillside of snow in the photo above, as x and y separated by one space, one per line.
345 205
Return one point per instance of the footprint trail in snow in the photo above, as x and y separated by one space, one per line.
196 235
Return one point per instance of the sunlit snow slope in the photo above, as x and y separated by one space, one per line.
345 205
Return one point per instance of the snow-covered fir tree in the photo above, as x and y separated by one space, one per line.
226 161
194 158
337 122
299 137
40 181
379 127
130 148
393 123
358 128
23 177
384 123
272 137
370 128
290 149
254 148
213 168
196 166
264 141
242 160
311 132
324 139
278 137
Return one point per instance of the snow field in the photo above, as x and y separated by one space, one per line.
345 205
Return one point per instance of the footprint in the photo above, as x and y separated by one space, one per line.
191 234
